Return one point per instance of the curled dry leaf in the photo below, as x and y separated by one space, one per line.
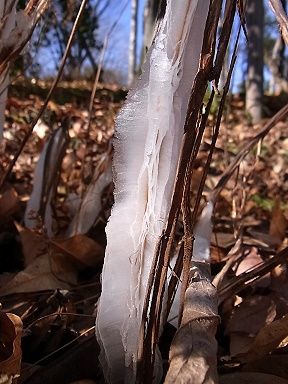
269 364
40 210
251 260
91 203
33 244
10 350
246 321
267 340
81 248
278 224
194 348
49 271
16 29
9 204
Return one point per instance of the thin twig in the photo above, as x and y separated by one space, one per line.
59 349
281 17
240 282
100 64
58 314
244 152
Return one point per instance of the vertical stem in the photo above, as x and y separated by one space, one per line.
133 41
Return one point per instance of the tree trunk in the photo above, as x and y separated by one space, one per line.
254 83
133 42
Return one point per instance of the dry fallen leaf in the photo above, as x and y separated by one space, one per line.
251 260
278 224
9 204
33 244
10 349
82 249
269 364
247 319
267 340
49 271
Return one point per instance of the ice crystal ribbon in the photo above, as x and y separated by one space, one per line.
147 145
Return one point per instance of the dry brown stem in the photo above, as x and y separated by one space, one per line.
246 149
240 282
193 132
281 18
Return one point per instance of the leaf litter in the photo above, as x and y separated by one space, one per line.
54 281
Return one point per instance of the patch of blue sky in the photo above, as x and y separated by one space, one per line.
116 57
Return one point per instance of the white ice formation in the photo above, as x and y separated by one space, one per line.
202 234
147 145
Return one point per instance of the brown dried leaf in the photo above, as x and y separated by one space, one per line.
10 350
33 244
252 314
9 204
49 271
269 364
226 240
81 248
246 321
278 224
267 340
251 261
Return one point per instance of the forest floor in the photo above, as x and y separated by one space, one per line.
53 284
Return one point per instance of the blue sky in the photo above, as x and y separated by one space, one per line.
117 52
116 58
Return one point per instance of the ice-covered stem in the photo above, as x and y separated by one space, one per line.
189 219
153 311
147 147
194 129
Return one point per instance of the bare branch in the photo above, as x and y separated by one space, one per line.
281 17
